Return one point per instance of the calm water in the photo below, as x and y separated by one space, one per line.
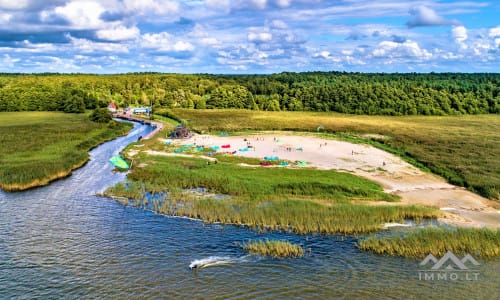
62 241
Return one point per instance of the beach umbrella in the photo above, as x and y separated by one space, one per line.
118 162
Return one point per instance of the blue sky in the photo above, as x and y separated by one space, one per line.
249 36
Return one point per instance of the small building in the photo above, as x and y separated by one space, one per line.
112 107
181 132
141 110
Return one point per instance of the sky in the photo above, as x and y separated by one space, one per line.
249 36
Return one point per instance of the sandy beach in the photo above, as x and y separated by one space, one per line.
459 206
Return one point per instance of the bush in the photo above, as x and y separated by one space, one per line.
101 115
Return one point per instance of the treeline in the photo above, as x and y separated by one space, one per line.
355 93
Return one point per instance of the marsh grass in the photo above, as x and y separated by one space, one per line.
273 248
437 241
226 177
39 147
462 149
297 200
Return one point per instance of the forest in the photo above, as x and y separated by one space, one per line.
352 93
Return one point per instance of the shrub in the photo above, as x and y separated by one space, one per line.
100 115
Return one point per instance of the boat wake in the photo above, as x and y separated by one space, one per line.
214 261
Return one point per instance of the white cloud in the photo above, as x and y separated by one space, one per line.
119 33
159 7
494 32
13 4
86 46
259 37
327 55
224 5
283 3
407 49
5 18
82 14
259 4
424 16
459 33
279 24
164 41
209 41
156 40
183 46
8 61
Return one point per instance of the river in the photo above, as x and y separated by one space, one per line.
63 241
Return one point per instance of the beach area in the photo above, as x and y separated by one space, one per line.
459 206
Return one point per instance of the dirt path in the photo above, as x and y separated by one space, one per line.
460 207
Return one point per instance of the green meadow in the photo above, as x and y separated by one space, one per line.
463 149
39 147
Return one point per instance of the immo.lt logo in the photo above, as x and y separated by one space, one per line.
449 267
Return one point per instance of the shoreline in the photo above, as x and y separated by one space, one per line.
17 187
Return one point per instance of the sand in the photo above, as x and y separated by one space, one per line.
459 206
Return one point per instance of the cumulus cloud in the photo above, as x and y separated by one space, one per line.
13 4
283 3
223 5
5 18
494 32
260 37
119 33
279 24
87 46
408 49
459 33
165 42
82 14
159 7
425 16
326 55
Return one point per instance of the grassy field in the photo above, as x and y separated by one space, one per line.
298 200
462 149
39 147
273 248
419 243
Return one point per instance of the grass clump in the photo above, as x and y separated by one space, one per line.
437 241
39 147
274 248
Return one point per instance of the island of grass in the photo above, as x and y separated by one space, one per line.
479 242
40 147
273 248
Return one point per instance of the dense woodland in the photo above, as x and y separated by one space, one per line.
354 93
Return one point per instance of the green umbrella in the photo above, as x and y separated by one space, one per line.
118 162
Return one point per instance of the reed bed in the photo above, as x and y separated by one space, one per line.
273 248
437 241
299 216
39 147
